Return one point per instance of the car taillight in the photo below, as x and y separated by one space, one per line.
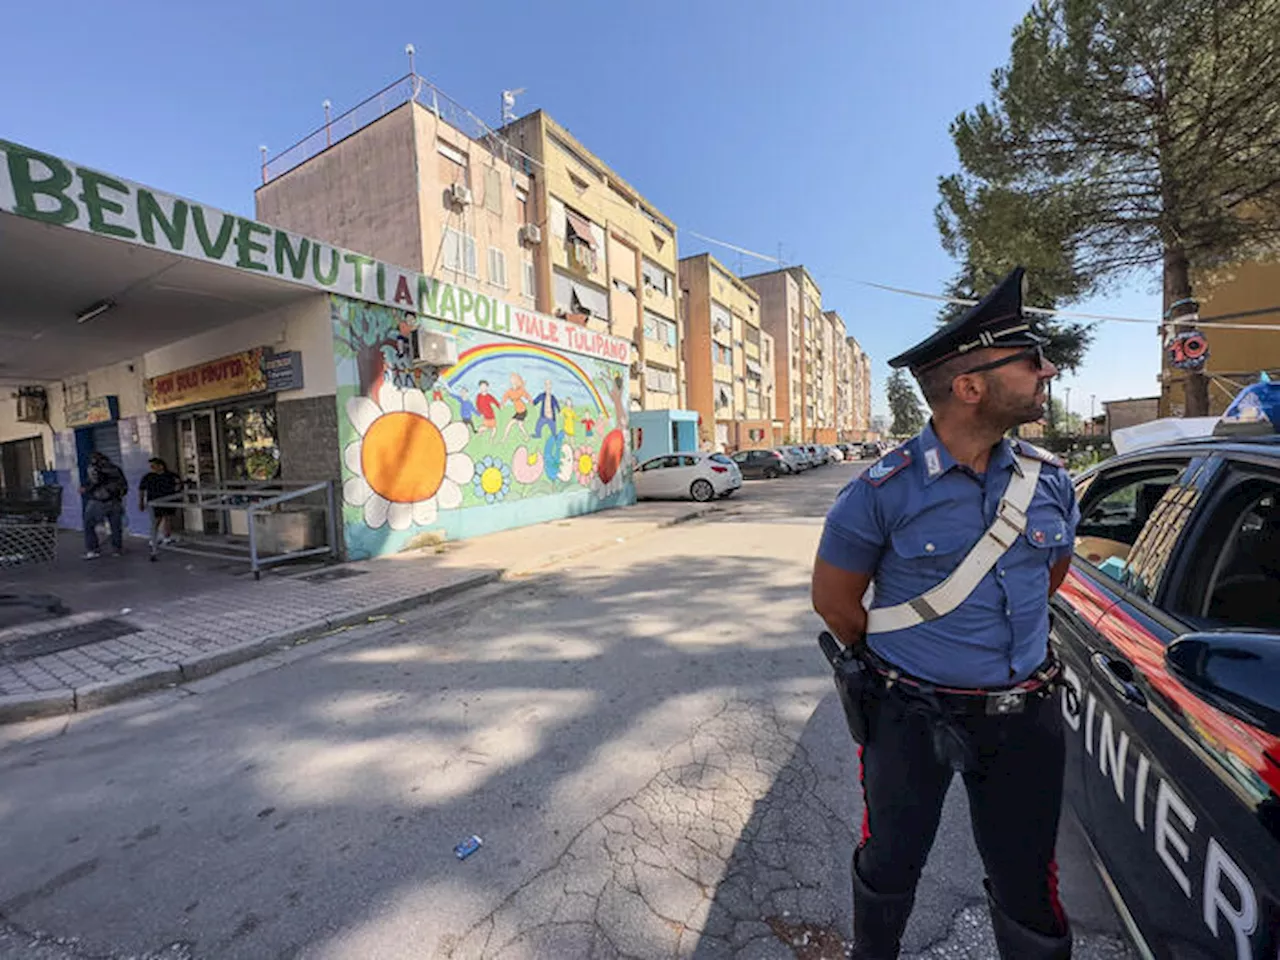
720 469
776 455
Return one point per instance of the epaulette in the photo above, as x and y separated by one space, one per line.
887 466
1031 450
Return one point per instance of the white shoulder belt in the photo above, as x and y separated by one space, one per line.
1010 522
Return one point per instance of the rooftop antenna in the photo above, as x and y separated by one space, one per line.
328 136
509 105
262 148
409 52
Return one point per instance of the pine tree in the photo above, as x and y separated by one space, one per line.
904 405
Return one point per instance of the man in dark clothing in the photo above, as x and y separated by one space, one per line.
103 500
160 482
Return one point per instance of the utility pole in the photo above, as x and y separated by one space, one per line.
1066 418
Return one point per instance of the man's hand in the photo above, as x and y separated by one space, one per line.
837 599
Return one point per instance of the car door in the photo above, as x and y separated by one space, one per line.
1116 504
683 475
653 477
1194 803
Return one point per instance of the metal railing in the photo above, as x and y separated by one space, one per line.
267 506
410 88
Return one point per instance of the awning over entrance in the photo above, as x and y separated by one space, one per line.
49 275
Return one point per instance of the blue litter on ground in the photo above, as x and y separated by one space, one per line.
467 847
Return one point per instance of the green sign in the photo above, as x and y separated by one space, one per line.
42 187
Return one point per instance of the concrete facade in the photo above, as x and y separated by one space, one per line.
1129 413
723 355
1235 355
387 190
620 277
780 297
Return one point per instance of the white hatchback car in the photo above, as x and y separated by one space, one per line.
675 476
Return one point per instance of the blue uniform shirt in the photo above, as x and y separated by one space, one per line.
911 518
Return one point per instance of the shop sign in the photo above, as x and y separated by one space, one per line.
232 376
284 371
44 188
92 411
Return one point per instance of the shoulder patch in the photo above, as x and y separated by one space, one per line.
891 463
1031 450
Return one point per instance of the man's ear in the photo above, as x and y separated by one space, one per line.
967 388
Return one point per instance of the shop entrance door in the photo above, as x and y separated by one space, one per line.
199 467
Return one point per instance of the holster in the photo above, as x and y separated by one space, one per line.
853 679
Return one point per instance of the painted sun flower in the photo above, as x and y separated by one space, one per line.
584 465
526 465
408 462
492 479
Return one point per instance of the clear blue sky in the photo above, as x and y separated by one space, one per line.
820 126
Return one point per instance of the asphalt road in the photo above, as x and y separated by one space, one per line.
646 739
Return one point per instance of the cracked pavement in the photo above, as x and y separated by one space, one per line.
645 738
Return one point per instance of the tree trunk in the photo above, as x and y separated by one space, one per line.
1178 304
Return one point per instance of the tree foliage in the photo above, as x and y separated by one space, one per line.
904 406
1123 135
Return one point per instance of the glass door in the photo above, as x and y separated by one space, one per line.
199 467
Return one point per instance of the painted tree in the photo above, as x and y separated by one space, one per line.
904 405
375 337
1137 134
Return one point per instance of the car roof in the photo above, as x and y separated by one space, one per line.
1192 445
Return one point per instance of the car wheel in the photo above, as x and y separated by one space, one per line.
771 474
702 491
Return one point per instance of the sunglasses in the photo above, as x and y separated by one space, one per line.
1034 354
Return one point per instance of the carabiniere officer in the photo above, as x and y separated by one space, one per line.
966 534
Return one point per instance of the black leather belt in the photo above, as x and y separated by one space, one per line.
997 701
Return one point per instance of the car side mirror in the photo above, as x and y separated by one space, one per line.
1237 672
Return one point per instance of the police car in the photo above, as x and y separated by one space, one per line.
1168 628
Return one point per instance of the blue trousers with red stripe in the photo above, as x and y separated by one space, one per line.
1015 797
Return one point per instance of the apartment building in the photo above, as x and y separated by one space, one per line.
842 384
412 180
805 354
859 379
724 355
607 257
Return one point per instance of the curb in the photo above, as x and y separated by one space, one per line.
163 673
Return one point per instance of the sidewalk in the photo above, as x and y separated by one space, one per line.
94 658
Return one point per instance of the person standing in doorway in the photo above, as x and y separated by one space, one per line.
966 534
159 482
103 500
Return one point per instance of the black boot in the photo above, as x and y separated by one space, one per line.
1017 942
878 920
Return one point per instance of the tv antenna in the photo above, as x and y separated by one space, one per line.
509 105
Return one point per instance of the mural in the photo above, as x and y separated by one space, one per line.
513 433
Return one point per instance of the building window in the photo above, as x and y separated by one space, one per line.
580 240
459 252
453 165
655 278
659 379
522 205
493 190
659 330
497 267
528 280
721 353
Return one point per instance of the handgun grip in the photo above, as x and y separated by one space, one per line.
831 648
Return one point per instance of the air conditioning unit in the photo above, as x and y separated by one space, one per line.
459 194
431 348
531 233
33 406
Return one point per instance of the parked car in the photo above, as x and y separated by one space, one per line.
871 450
1168 629
819 454
675 476
803 457
836 454
760 464
790 459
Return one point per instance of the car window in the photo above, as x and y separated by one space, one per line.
657 463
688 462
719 458
1114 511
1242 589
742 456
